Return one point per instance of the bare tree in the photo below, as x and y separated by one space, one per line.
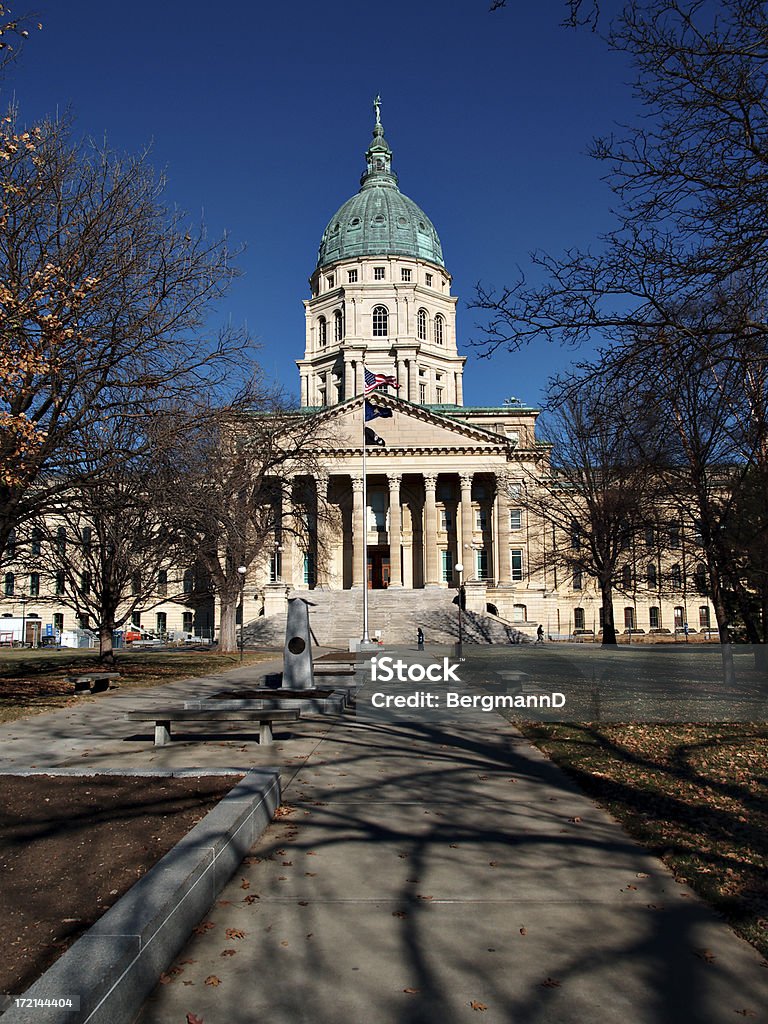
598 496
677 290
111 554
235 494
104 293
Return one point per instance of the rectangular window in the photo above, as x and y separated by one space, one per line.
674 536
162 583
679 618
34 584
331 281
481 519
59 587
704 616
629 618
187 619
697 537
516 563
161 622
577 580
519 613
649 537
85 583
378 273
446 519
428 280
482 564
85 621
439 396
515 519
423 394
653 617
405 274
352 276
274 567
87 536
58 621
35 548
447 566
578 618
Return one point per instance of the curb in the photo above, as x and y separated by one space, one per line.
113 967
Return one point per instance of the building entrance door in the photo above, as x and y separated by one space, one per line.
378 567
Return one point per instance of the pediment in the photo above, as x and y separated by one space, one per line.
410 428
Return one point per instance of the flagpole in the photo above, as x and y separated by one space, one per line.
366 638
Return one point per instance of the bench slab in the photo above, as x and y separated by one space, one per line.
162 717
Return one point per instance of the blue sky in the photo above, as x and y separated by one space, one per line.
260 113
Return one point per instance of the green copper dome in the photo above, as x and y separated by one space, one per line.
379 220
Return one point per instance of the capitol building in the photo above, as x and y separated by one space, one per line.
445 483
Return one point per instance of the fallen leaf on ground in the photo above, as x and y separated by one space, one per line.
575 820
399 913
213 981
201 929
478 1006
523 931
192 1018
228 952
251 898
245 884
746 1013
235 933
303 903
411 991
550 983
706 955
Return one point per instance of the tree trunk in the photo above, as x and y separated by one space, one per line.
106 650
609 627
228 625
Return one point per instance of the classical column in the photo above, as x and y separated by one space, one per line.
503 574
288 539
466 554
430 531
358 525
395 530
349 377
323 556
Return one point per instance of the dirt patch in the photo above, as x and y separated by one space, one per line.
71 846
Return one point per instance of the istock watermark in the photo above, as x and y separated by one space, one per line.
386 669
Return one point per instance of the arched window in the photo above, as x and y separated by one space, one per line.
439 323
421 325
10 584
322 331
651 575
380 322
338 326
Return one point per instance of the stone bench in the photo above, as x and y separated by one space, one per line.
162 717
94 681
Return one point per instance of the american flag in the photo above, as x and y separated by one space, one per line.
378 380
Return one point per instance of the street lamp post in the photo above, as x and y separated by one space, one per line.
23 603
459 569
242 571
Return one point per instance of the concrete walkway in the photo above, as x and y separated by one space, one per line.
427 873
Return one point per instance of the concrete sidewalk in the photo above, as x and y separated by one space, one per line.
440 872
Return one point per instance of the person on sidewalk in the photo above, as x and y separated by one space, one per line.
540 634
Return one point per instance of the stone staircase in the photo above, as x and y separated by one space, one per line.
337 616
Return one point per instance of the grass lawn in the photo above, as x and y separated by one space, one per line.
695 795
35 681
